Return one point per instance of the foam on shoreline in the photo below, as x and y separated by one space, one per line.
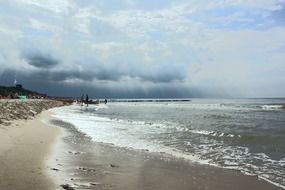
86 164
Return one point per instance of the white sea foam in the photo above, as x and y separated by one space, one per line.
121 133
265 178
272 107
213 133
137 135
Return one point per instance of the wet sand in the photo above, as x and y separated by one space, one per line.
80 163
35 155
25 147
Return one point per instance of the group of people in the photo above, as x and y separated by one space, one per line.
86 100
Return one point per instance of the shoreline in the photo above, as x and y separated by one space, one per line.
47 153
90 165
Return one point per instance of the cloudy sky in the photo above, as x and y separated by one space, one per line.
144 48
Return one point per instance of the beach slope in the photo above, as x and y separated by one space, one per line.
24 149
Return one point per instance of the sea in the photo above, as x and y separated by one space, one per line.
240 134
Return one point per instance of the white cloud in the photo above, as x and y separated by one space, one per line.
105 49
137 23
57 6
41 25
271 5
83 17
195 6
178 39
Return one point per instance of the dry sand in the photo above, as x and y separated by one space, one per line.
25 146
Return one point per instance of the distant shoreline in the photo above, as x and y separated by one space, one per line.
150 100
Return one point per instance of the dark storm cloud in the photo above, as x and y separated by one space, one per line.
50 83
105 75
58 76
85 75
114 74
163 77
96 91
7 77
108 75
41 61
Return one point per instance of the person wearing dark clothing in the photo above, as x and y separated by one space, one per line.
87 100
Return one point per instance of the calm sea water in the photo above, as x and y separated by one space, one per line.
243 134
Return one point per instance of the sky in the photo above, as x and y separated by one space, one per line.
144 48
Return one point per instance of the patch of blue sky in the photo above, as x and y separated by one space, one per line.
157 36
110 5
217 12
232 18
278 16
151 4
80 36
7 8
236 25
224 11
35 32
278 50
26 12
113 5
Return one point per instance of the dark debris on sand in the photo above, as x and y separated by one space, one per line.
67 187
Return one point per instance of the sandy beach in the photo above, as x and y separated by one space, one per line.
46 153
25 144
24 149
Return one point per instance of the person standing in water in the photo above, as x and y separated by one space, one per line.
82 100
87 100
